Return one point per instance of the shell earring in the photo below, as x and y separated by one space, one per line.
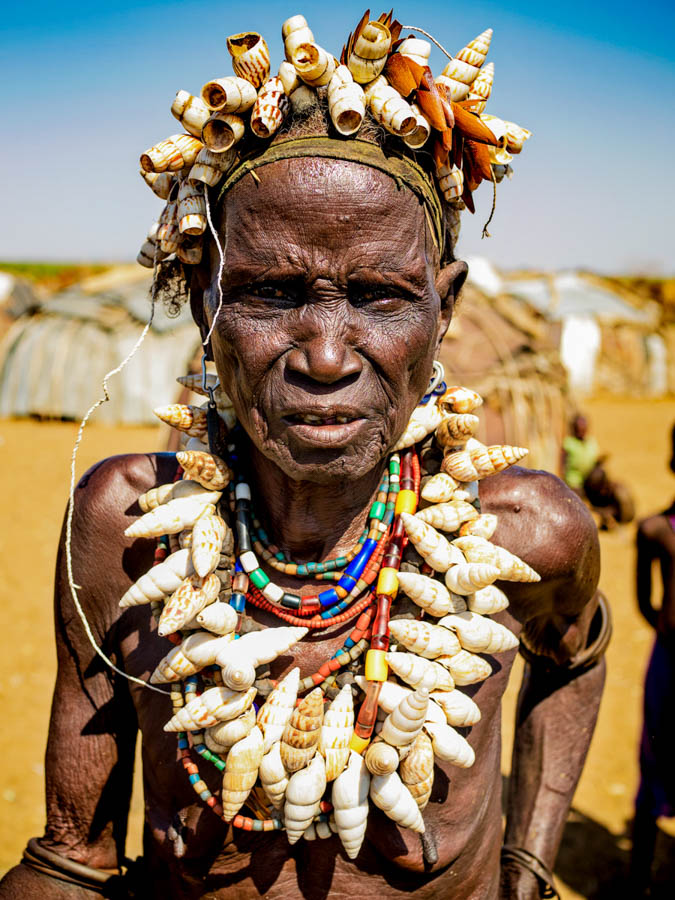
437 376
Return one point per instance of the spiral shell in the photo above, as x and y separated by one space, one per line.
369 52
270 108
241 772
191 112
466 668
487 601
336 733
448 516
511 567
216 704
350 803
161 581
168 235
479 462
277 709
429 594
417 50
191 208
346 102
417 770
459 709
456 429
222 736
172 154
294 32
418 138
422 422
186 601
439 488
392 693
466 578
462 71
301 735
483 526
160 183
450 180
220 618
205 468
424 639
513 136
391 796
239 661
420 673
314 65
398 117
210 167
405 722
208 535
303 797
173 516
458 399
450 746
250 57
478 634
222 131
194 652
381 758
438 552
482 87
273 776
231 94
188 419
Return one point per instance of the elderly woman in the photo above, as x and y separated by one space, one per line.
323 318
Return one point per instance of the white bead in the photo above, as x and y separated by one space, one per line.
242 491
249 561
273 592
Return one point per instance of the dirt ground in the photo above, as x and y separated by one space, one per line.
594 854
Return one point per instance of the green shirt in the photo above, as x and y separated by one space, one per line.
580 457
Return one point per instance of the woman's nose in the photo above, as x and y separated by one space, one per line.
325 359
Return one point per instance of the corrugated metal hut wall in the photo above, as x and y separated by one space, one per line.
52 363
505 350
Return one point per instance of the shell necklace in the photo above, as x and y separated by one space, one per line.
293 751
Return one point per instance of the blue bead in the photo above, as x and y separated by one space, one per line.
349 643
238 601
194 778
328 597
237 567
440 388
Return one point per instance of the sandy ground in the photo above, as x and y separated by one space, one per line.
596 845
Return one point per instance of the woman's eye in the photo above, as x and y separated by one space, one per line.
273 293
381 296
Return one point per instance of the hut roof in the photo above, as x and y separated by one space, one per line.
561 295
52 361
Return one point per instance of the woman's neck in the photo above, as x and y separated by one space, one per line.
310 521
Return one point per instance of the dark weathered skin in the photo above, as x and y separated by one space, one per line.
322 340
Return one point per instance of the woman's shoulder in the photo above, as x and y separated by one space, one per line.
114 483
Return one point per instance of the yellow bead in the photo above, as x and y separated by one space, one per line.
376 665
406 502
358 744
387 582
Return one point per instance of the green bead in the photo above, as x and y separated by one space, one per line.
394 467
377 510
259 579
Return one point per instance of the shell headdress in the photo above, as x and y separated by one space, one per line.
439 122
349 734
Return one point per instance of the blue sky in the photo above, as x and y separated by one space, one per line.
89 86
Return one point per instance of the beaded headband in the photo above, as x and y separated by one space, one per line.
442 119
404 170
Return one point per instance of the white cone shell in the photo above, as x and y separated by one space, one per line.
487 601
303 797
194 652
439 488
450 746
424 639
172 517
405 722
466 578
420 673
429 594
511 568
253 650
220 618
278 708
477 634
422 422
460 710
350 804
466 667
336 733
161 581
390 794
433 547
448 516
216 704
241 772
273 776
391 695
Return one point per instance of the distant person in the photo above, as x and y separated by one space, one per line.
585 472
656 795
580 454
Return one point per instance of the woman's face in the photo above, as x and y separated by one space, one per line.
331 316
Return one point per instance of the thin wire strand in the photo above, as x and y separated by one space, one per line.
74 588
221 267
486 233
426 34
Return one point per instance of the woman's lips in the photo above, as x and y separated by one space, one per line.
316 430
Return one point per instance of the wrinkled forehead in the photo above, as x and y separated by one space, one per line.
301 212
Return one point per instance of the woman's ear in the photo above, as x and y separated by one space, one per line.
199 288
449 283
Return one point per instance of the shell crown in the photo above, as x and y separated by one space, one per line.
378 72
